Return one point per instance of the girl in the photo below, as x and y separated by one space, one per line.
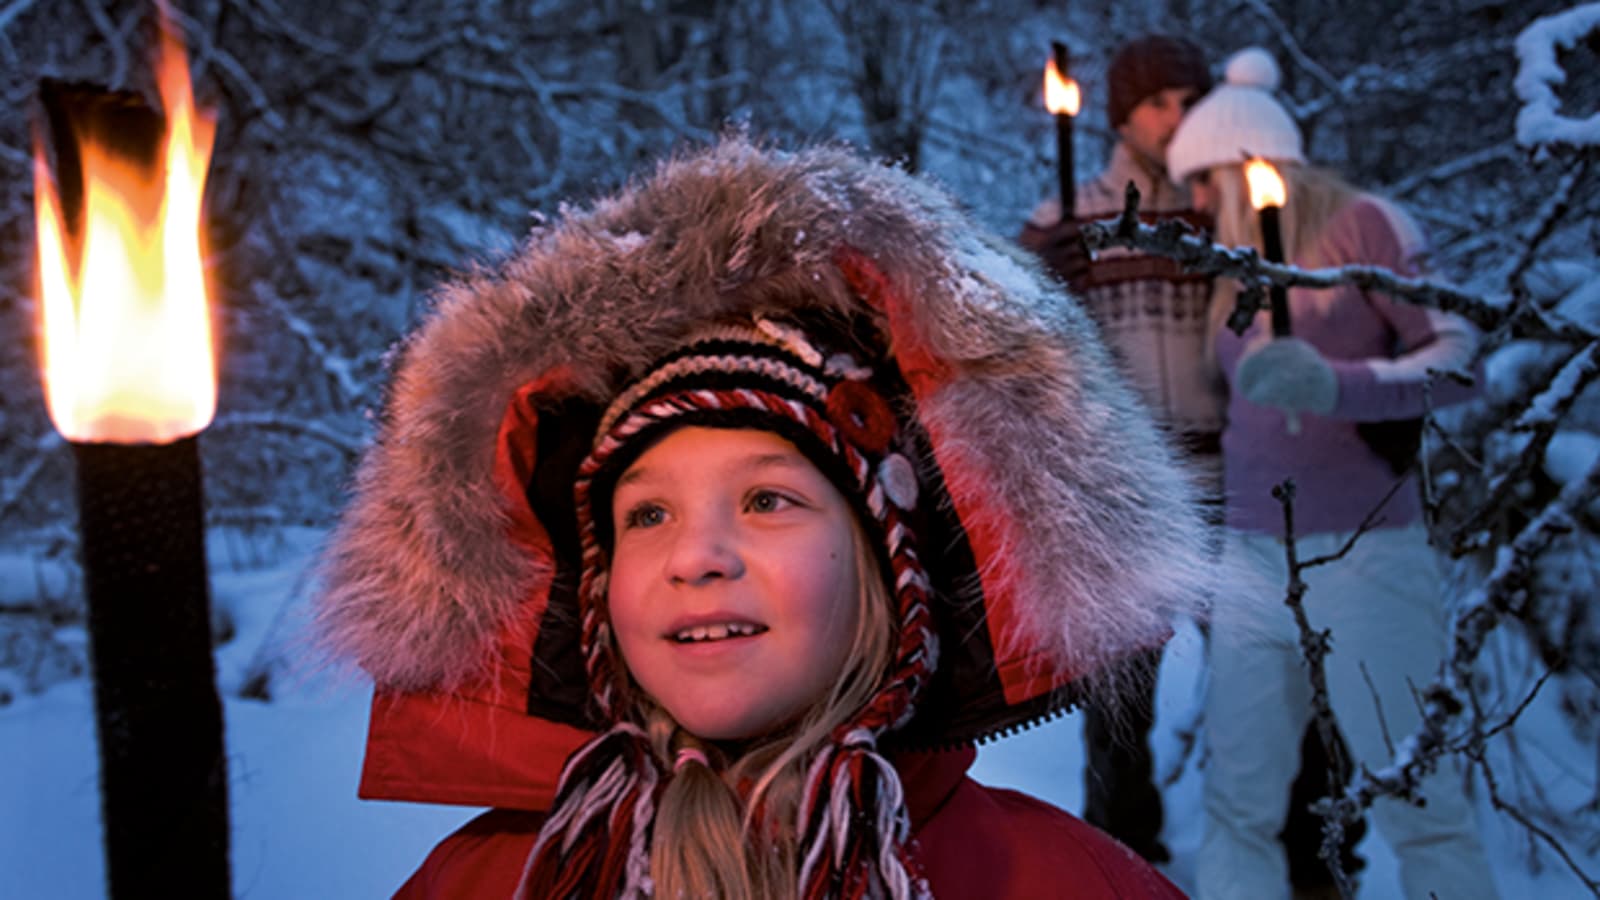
1356 358
705 537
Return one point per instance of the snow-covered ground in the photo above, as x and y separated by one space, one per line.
299 831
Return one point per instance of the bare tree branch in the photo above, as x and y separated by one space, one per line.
349 445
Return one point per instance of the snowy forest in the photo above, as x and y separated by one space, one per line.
366 151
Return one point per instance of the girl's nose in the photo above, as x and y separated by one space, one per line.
703 554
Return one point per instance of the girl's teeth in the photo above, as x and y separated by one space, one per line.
715 632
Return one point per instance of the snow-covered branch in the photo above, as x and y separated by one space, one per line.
1539 420
1176 240
1540 125
1555 208
1450 694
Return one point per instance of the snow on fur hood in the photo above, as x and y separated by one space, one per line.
1076 522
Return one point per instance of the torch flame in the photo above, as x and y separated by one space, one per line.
127 352
1266 185
1060 94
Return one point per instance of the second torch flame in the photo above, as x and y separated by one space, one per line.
1266 185
1060 93
127 345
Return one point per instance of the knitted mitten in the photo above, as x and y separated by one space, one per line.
1289 374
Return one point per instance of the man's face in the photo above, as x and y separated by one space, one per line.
1151 124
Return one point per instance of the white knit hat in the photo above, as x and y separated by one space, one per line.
1237 120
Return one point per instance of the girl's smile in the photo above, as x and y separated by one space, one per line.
733 588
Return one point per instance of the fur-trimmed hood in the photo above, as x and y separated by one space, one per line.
1073 518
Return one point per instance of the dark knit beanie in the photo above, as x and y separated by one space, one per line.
1148 65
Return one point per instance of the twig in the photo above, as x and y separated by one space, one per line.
1368 522
1377 702
1314 647
1532 827
1522 706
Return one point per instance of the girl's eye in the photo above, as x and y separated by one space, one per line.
645 515
766 501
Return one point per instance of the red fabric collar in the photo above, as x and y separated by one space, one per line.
930 778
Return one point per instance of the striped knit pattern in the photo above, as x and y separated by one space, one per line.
599 830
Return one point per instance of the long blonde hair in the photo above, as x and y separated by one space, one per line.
1316 194
731 834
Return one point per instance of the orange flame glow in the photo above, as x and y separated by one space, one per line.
1266 185
127 350
1060 94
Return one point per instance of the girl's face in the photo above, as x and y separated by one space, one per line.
733 590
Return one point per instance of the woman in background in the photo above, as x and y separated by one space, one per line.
1303 407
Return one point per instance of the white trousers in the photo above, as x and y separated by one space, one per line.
1383 603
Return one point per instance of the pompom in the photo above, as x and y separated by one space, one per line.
1253 67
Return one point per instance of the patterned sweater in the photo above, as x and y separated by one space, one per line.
1152 314
1380 350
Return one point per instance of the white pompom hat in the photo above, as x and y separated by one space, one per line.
1237 120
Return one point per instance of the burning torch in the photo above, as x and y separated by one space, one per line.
1061 98
130 381
1268 195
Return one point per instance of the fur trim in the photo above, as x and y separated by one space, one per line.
420 579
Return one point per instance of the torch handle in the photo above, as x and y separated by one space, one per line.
163 776
1272 243
1065 164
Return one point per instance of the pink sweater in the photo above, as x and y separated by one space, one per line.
1381 351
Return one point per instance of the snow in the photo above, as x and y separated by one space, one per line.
1538 121
299 830
1571 455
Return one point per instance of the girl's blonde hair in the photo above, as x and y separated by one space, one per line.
1316 194
732 834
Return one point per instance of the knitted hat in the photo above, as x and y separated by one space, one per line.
1237 120
773 376
1148 65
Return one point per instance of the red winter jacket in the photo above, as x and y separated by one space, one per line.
973 842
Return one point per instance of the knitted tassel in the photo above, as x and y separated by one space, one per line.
853 827
596 842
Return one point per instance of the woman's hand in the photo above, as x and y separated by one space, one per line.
1289 374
